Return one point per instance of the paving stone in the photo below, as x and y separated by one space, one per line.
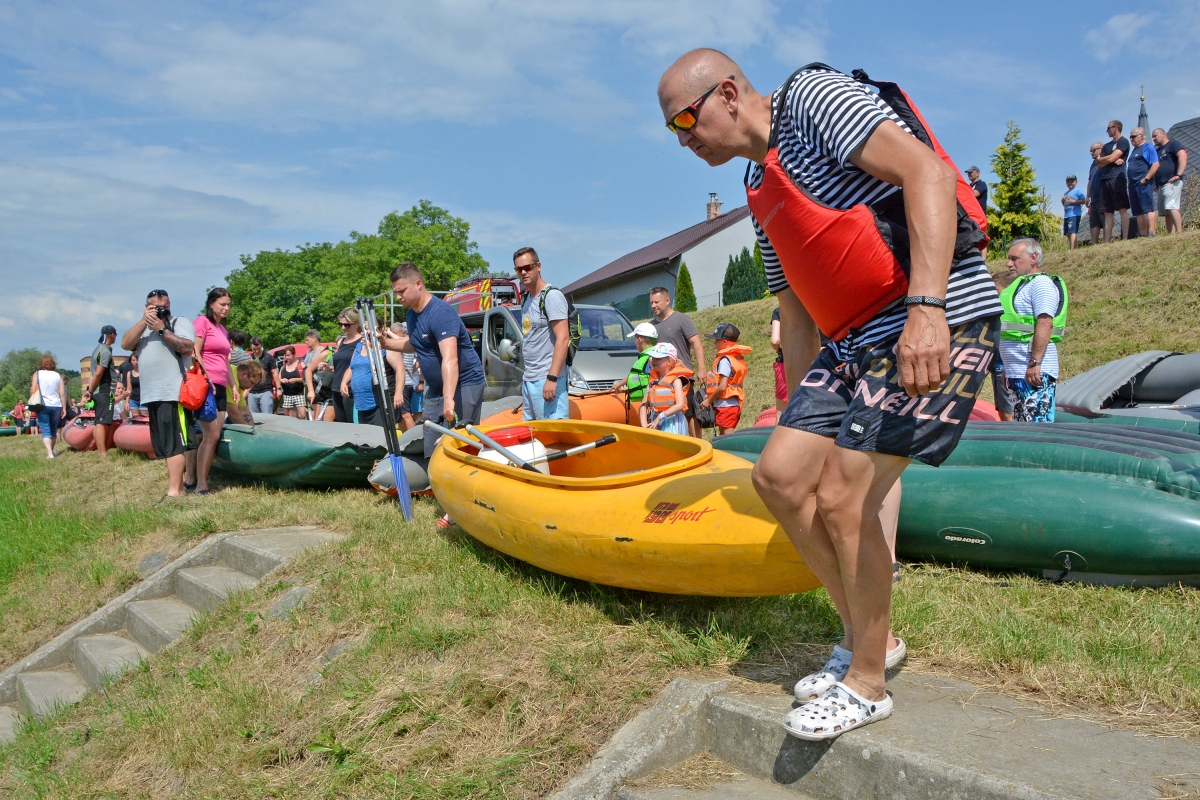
152 563
288 602
104 658
10 720
157 623
41 693
743 787
206 588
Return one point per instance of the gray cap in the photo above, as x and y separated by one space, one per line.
972 168
107 330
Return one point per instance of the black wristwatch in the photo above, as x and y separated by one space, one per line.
924 300
552 378
1033 362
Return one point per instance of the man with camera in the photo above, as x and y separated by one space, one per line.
163 345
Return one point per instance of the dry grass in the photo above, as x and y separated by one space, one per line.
697 773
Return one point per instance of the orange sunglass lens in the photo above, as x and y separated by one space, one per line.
684 120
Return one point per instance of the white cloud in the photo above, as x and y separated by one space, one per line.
1108 40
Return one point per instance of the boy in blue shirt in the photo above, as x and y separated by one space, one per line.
1073 202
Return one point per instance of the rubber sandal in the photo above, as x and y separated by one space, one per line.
812 686
202 491
445 521
839 710
189 487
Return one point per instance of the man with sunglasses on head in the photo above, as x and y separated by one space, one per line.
886 341
163 346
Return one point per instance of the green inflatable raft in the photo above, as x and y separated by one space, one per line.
294 453
1102 503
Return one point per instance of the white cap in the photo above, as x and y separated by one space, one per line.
663 350
645 330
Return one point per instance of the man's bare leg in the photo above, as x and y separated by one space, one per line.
100 436
1125 231
175 465
1108 226
1096 234
1174 221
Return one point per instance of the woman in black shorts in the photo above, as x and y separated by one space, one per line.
291 377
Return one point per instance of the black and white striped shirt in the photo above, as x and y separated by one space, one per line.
826 117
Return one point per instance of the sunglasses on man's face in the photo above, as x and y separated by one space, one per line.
686 120
525 267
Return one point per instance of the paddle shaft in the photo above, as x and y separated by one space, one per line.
370 329
574 451
483 437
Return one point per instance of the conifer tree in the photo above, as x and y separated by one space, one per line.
1015 210
685 293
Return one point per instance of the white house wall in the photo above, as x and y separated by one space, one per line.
707 260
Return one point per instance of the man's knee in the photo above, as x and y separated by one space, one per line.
789 470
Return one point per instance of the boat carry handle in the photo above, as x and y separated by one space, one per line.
574 451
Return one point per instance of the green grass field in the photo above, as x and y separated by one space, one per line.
468 674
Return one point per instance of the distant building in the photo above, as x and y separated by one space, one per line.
1187 133
705 248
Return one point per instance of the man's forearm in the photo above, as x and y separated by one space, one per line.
932 215
449 378
129 340
1180 164
1041 337
698 349
177 343
798 338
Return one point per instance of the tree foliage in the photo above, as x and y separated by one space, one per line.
744 278
8 398
280 294
17 368
685 293
1016 209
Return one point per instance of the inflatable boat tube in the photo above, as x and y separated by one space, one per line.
78 433
133 435
295 453
592 406
1101 503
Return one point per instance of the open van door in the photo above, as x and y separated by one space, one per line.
502 362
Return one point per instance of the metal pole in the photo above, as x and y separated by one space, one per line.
370 327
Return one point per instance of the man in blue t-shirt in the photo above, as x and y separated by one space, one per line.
452 370
1172 162
1073 202
1143 166
1095 212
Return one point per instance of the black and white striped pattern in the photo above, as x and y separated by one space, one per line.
827 116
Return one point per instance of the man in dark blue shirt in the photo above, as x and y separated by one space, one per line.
1095 213
1114 193
1172 159
436 334
978 187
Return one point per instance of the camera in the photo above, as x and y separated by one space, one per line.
163 313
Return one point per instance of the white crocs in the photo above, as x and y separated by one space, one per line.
810 687
839 710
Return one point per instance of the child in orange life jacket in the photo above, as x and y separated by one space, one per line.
726 380
666 396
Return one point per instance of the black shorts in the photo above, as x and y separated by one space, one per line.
103 404
860 404
171 431
1114 194
692 402
406 406
221 394
1095 216
373 416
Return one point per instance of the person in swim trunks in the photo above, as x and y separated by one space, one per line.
898 382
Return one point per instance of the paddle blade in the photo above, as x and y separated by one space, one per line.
402 492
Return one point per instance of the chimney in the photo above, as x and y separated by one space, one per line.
714 206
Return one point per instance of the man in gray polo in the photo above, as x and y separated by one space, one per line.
544 327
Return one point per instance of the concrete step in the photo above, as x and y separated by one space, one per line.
42 693
10 720
156 623
256 554
104 658
206 588
741 787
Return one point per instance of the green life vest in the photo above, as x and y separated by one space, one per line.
639 377
1020 327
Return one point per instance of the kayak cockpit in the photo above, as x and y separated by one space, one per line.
638 455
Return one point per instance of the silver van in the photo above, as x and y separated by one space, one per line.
606 349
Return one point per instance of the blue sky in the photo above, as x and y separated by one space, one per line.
147 145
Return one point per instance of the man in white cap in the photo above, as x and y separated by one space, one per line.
644 336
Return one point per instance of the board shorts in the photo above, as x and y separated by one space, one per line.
1141 198
102 404
1070 225
293 401
859 402
1169 195
171 432
1029 403
1114 195
780 382
728 416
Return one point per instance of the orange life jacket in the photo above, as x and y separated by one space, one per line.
847 266
736 353
660 394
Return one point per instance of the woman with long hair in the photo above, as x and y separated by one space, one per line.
49 384
291 377
342 355
212 348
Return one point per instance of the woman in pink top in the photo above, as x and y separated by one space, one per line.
212 348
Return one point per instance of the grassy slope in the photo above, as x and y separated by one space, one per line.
474 675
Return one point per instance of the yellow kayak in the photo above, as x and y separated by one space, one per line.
655 512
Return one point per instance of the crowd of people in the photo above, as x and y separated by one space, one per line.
1133 179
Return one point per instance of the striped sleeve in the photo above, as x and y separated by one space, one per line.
776 280
835 113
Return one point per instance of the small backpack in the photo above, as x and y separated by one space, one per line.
574 329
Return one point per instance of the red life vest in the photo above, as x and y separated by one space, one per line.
660 395
847 266
736 353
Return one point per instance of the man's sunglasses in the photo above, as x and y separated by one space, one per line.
157 293
686 120
525 267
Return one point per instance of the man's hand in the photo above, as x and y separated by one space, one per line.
151 319
237 396
448 409
923 350
1033 374
549 390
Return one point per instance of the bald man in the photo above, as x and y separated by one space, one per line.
884 352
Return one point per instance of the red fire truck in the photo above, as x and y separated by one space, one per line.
480 293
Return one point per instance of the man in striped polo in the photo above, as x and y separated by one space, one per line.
866 398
